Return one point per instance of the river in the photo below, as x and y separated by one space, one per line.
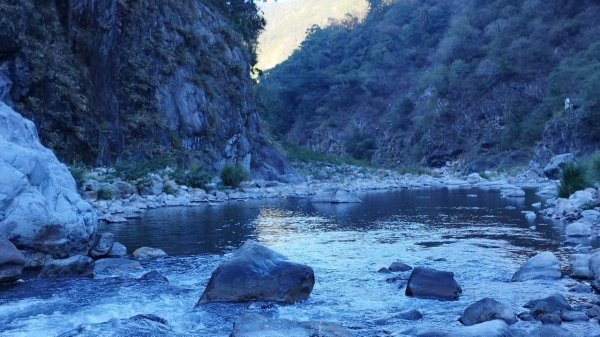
476 234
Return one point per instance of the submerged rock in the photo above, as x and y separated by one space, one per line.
554 304
399 267
433 284
148 253
336 196
255 272
12 262
487 309
254 325
39 206
117 266
154 276
495 328
75 266
549 331
542 266
140 325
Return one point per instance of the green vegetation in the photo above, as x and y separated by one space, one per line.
79 173
572 180
196 177
132 170
302 154
105 194
441 79
233 176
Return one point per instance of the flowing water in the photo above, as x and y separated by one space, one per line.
476 234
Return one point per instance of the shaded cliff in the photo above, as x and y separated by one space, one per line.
113 80
426 82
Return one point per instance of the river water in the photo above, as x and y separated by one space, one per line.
476 234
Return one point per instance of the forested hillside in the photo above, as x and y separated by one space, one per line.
425 82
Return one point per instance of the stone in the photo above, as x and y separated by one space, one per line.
257 273
12 262
554 304
155 187
154 276
409 315
513 193
143 253
593 312
594 265
581 288
495 328
254 325
399 267
580 266
384 270
102 244
117 250
529 215
590 216
542 266
335 196
124 189
554 168
75 266
582 198
578 229
487 309
113 218
550 319
116 266
39 205
574 316
140 325
433 284
550 331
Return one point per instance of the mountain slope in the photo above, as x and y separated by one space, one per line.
425 82
117 80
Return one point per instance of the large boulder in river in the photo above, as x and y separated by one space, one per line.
40 209
335 196
75 266
580 266
554 304
102 244
254 325
487 309
433 284
542 266
12 261
255 272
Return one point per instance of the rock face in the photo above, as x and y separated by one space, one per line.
434 284
75 266
255 272
12 261
554 168
40 209
336 196
169 78
542 266
253 325
140 325
485 310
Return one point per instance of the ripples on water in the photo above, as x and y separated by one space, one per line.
479 238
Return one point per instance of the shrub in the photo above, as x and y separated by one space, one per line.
79 172
234 175
572 180
105 194
197 177
594 167
361 146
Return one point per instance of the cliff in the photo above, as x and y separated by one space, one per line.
110 80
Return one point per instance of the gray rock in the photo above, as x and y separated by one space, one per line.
542 266
495 328
140 325
550 331
581 288
550 319
335 196
116 266
154 276
554 168
594 265
155 187
102 244
554 304
254 325
529 215
580 268
487 309
409 315
12 262
578 229
75 266
255 272
399 267
117 250
433 284
593 312
148 253
46 212
384 270
124 189
574 316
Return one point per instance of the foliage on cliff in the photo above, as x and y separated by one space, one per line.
431 81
